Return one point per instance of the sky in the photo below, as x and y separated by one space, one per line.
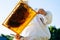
6 6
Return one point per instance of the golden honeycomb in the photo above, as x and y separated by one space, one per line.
19 18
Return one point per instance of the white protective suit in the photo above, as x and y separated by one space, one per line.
37 29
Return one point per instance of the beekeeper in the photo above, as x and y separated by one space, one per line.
37 29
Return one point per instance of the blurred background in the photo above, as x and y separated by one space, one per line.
6 6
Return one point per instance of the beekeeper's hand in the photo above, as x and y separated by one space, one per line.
41 11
